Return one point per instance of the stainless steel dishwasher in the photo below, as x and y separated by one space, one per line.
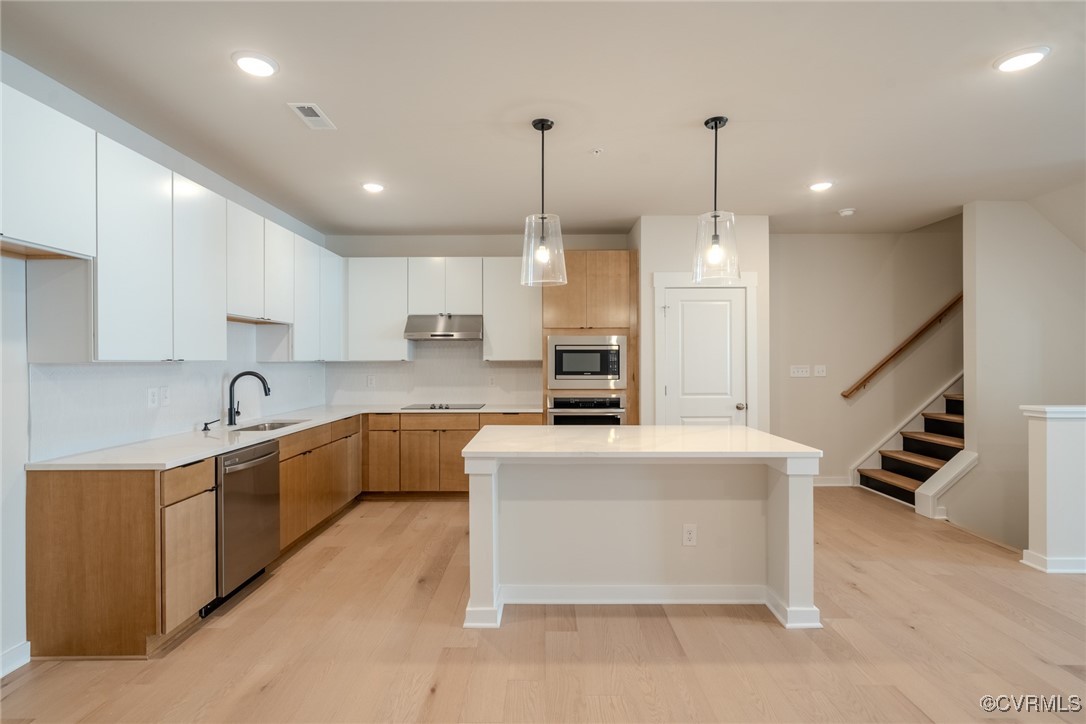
248 514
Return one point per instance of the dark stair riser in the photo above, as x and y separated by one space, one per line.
893 491
932 450
955 407
942 427
909 470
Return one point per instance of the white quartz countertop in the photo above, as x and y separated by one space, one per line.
633 441
175 450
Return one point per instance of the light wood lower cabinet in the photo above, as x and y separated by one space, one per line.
316 483
420 460
110 569
453 477
383 466
188 558
293 474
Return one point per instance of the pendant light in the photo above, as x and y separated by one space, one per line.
716 254
543 263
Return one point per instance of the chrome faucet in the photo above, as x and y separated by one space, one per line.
235 408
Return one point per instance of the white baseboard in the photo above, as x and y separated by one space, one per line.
605 594
16 656
1053 565
827 481
794 616
483 617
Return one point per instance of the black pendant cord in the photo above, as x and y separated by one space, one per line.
542 172
716 133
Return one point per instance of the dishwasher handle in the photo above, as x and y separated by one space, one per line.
250 463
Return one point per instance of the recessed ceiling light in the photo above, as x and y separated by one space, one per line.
846 212
255 63
821 185
373 188
1022 59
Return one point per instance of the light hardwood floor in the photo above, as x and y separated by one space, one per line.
364 624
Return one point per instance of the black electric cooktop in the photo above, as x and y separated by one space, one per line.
444 406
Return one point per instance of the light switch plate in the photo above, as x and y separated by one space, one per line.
800 371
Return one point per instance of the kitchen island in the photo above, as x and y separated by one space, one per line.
601 515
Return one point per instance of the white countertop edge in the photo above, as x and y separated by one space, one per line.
1054 412
641 454
180 449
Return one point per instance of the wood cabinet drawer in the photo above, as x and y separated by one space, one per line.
343 428
187 481
384 421
304 441
440 421
510 418
188 559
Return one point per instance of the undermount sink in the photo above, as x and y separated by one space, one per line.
266 426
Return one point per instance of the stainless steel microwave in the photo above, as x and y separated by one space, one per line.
586 363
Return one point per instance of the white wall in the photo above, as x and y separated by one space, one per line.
90 406
14 649
1025 344
666 244
459 245
845 301
440 372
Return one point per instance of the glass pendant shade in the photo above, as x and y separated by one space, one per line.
716 253
543 262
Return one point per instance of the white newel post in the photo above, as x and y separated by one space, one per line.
1057 488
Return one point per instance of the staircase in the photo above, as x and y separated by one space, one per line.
923 453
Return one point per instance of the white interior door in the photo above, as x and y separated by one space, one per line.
705 378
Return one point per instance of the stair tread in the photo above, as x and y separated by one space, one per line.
954 396
945 416
914 458
936 439
890 478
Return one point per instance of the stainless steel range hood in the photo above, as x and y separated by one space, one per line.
444 326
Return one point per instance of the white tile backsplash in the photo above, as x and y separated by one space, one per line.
74 408
441 372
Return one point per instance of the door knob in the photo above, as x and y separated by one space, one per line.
741 406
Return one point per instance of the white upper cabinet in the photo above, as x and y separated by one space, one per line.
426 285
333 297
445 285
48 182
377 309
278 273
512 314
306 336
244 262
463 285
133 269
199 272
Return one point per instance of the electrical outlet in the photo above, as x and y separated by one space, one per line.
690 534
371 381
800 371
820 370
490 381
152 398
164 396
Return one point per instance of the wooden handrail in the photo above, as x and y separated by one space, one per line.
932 321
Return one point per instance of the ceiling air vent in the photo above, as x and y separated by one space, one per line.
313 116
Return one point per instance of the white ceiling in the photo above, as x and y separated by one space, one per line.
898 103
